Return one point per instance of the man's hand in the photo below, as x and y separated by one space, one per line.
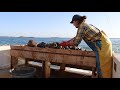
67 43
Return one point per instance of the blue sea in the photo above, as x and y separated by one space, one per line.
24 40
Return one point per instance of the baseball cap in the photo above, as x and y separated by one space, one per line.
75 17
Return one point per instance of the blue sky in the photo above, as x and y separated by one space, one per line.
55 24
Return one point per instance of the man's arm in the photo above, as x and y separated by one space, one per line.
77 39
74 41
67 43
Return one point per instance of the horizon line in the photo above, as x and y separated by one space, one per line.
44 37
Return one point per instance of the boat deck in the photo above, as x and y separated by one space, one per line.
4 73
55 73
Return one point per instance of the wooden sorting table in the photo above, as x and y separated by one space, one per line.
49 55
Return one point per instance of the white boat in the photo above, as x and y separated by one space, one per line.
5 63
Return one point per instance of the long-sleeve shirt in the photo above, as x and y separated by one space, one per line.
87 33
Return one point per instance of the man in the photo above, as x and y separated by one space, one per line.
97 40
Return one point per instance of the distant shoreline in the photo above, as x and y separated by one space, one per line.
37 37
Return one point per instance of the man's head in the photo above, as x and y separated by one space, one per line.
77 19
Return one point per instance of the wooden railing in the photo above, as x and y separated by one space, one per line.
49 55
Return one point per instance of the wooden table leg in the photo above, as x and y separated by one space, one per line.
46 69
26 61
94 73
14 62
43 69
62 67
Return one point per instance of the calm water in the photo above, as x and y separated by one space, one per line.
22 41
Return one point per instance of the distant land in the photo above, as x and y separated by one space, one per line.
25 37
31 37
38 37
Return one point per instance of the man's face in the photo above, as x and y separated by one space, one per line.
76 24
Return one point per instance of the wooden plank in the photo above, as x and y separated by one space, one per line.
52 57
57 51
29 55
70 59
59 58
67 59
86 61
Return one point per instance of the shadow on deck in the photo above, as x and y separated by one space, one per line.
55 73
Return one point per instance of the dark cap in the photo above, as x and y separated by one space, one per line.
75 17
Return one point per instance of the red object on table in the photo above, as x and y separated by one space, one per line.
63 44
